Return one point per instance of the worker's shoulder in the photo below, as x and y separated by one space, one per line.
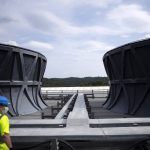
4 117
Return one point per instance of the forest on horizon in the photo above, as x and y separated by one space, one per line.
75 81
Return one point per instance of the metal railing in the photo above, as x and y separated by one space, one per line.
94 93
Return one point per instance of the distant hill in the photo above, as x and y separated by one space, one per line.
73 81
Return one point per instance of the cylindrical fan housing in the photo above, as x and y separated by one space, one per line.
21 73
128 68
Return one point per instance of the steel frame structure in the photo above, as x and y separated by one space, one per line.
21 72
129 72
78 127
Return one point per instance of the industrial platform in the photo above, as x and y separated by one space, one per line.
78 121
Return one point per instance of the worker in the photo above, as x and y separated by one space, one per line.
5 139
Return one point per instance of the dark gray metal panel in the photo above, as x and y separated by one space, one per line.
129 72
21 73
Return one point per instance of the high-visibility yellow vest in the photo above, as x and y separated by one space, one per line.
4 128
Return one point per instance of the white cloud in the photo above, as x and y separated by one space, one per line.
12 43
42 20
50 24
41 47
125 36
94 3
101 3
94 46
147 36
130 18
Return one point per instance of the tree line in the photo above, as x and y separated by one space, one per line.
74 81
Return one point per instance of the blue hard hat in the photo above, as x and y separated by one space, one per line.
4 101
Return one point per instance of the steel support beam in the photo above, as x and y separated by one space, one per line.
79 115
119 121
38 123
65 108
101 134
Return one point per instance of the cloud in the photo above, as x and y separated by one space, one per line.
93 3
12 43
6 20
130 18
50 24
147 36
101 3
12 24
94 46
39 46
44 21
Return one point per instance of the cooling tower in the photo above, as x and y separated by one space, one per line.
128 68
21 72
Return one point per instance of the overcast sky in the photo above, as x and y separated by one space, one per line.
73 34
